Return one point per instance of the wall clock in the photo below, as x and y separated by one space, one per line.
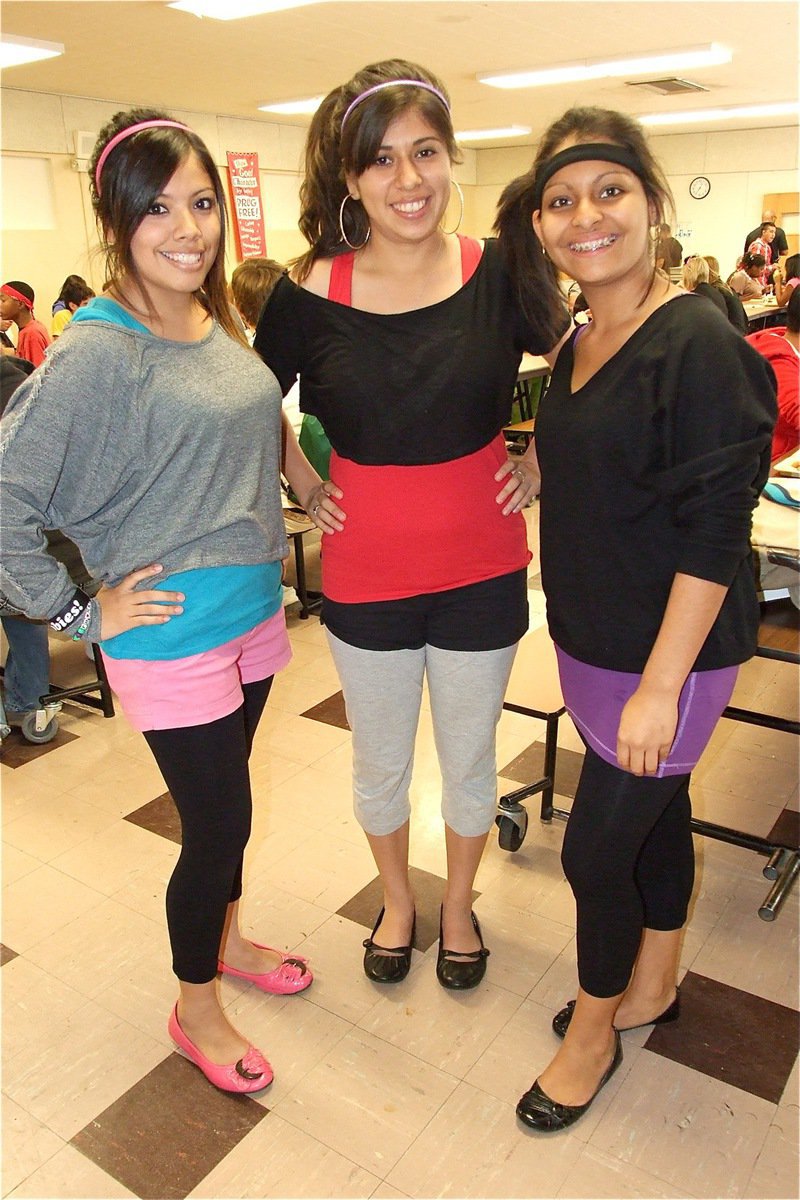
699 187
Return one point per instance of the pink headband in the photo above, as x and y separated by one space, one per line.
9 291
126 133
420 83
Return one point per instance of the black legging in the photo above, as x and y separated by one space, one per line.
629 858
205 769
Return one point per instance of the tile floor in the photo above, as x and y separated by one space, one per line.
400 1092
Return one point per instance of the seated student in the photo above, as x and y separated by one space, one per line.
251 285
734 307
16 304
781 347
695 279
27 667
746 280
786 279
75 292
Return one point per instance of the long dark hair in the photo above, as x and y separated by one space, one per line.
792 267
534 275
332 152
136 171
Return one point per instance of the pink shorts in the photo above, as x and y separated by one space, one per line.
178 692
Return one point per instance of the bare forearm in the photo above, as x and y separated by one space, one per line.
296 467
691 610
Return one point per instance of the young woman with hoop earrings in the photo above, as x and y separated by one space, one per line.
407 339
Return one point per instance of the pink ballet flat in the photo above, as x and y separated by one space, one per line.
293 975
250 1074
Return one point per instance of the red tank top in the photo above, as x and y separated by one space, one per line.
412 530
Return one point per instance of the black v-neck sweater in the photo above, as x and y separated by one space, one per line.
654 467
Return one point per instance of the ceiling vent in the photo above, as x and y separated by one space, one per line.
669 87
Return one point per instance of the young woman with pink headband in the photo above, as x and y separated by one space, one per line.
152 436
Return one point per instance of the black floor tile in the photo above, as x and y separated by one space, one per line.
16 751
428 892
168 1131
6 954
731 1035
330 712
528 766
159 816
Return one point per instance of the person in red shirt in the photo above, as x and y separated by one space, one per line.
781 348
763 245
16 304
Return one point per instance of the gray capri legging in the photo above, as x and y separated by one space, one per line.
383 693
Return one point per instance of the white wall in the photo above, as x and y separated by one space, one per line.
48 236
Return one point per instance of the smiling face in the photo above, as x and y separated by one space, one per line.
406 189
176 243
595 222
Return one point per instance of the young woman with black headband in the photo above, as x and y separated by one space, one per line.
653 443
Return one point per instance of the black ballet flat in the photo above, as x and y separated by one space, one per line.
562 1019
465 971
383 964
538 1111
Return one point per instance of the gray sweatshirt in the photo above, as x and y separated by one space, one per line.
141 450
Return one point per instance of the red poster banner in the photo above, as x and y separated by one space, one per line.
248 211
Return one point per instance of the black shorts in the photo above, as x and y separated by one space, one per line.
481 616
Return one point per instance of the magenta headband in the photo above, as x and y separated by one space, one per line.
420 83
129 132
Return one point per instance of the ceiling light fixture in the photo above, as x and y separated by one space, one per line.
644 64
290 108
14 51
477 135
234 10
784 109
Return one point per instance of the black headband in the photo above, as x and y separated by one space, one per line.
584 152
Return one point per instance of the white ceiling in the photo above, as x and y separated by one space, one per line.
143 52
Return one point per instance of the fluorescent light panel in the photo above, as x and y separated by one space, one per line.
234 10
784 109
292 108
477 135
15 51
578 72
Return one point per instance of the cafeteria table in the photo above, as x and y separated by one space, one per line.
531 368
763 314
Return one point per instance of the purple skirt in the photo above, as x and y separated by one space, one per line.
595 698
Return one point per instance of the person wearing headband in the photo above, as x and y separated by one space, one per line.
16 304
653 442
407 339
154 438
